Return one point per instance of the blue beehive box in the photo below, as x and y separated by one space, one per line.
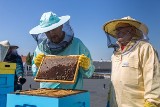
81 99
3 99
7 71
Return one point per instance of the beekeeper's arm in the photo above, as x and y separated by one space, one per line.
36 61
86 64
151 76
19 67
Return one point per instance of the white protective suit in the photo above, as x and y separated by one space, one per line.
135 76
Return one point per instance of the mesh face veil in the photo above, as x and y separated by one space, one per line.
112 39
110 28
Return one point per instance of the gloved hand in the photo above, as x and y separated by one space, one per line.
84 62
149 104
38 59
21 80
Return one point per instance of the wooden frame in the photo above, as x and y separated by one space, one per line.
58 81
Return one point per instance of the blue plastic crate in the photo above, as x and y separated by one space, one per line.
3 100
6 83
76 100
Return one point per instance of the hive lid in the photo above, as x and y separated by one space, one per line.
60 69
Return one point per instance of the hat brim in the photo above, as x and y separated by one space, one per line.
38 29
13 47
110 27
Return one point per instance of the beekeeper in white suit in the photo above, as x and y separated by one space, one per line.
135 66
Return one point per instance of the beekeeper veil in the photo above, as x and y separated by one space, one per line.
110 29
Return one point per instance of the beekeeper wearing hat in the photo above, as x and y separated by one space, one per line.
135 73
10 54
54 36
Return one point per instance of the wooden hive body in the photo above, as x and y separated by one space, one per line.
7 72
49 98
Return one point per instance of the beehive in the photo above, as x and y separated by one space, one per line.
7 71
61 69
49 98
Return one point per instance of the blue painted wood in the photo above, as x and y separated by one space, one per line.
77 100
6 83
6 79
5 90
3 99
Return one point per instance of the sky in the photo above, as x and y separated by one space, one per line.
18 17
